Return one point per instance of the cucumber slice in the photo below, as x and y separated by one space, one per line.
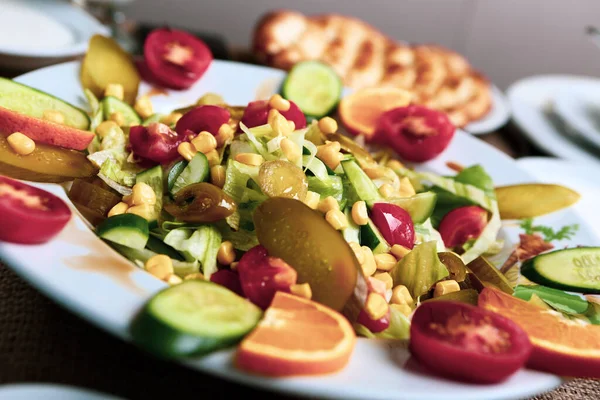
332 186
195 171
363 185
153 118
193 318
29 101
314 87
372 238
153 177
174 172
575 269
158 246
420 206
127 229
111 105
352 232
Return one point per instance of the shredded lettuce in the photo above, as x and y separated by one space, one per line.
316 166
201 244
241 239
425 232
259 131
312 149
96 114
237 176
331 186
476 176
399 327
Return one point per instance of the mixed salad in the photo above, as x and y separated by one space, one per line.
280 234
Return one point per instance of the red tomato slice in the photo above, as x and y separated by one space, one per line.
257 113
29 215
149 77
394 223
176 58
462 224
460 341
228 278
155 142
203 118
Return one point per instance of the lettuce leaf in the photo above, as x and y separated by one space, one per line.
476 176
399 327
140 256
199 245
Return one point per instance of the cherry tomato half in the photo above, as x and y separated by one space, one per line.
262 276
394 223
176 58
30 215
467 343
415 132
203 118
257 113
462 224
155 142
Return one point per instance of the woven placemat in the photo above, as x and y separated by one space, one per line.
42 342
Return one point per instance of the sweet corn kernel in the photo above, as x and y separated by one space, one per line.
226 253
21 144
234 265
105 128
385 261
172 118
173 279
376 306
291 150
217 175
54 116
337 219
374 172
213 158
143 106
328 125
385 278
368 265
271 116
327 204
406 188
302 290
224 135
118 118
445 287
119 208
395 165
204 142
160 266
210 99
143 210
195 275
403 308
115 90
312 199
186 150
249 159
292 125
401 295
141 193
399 251
359 213
377 285
279 103
358 252
279 124
386 190
330 154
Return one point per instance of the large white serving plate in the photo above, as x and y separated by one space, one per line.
86 276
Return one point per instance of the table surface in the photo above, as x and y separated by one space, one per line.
43 343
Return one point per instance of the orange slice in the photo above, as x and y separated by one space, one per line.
360 110
560 345
297 337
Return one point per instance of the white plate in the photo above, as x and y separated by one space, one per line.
82 273
495 119
579 107
62 30
531 102
49 392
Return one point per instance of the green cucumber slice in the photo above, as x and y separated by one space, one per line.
111 105
197 170
32 102
158 246
373 239
156 117
153 177
352 232
174 172
420 206
193 318
127 229
576 269
314 86
363 185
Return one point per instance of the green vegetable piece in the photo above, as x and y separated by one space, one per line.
201 244
140 256
399 328
112 105
475 175
564 302
331 186
489 275
197 170
126 229
373 239
565 233
363 185
153 177
456 266
420 206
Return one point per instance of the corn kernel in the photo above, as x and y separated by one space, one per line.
399 251
376 306
386 190
171 119
234 265
141 193
291 150
312 199
328 125
279 103
118 209
385 261
374 172
271 116
301 290
195 275
377 285
368 266
395 165
173 279
226 253
204 142
406 188
213 158
115 90
118 118
403 308
330 154
143 210
224 135
105 128
401 295
21 144
186 150
278 123
217 175
249 159
359 213
160 266
327 204
385 278
292 125
445 287
210 99
143 106
54 116
337 219
358 252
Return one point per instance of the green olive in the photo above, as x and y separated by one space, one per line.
201 202
290 230
455 265
282 179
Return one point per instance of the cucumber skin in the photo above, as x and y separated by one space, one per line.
108 104
141 227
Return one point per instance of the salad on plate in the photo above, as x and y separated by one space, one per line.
292 225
